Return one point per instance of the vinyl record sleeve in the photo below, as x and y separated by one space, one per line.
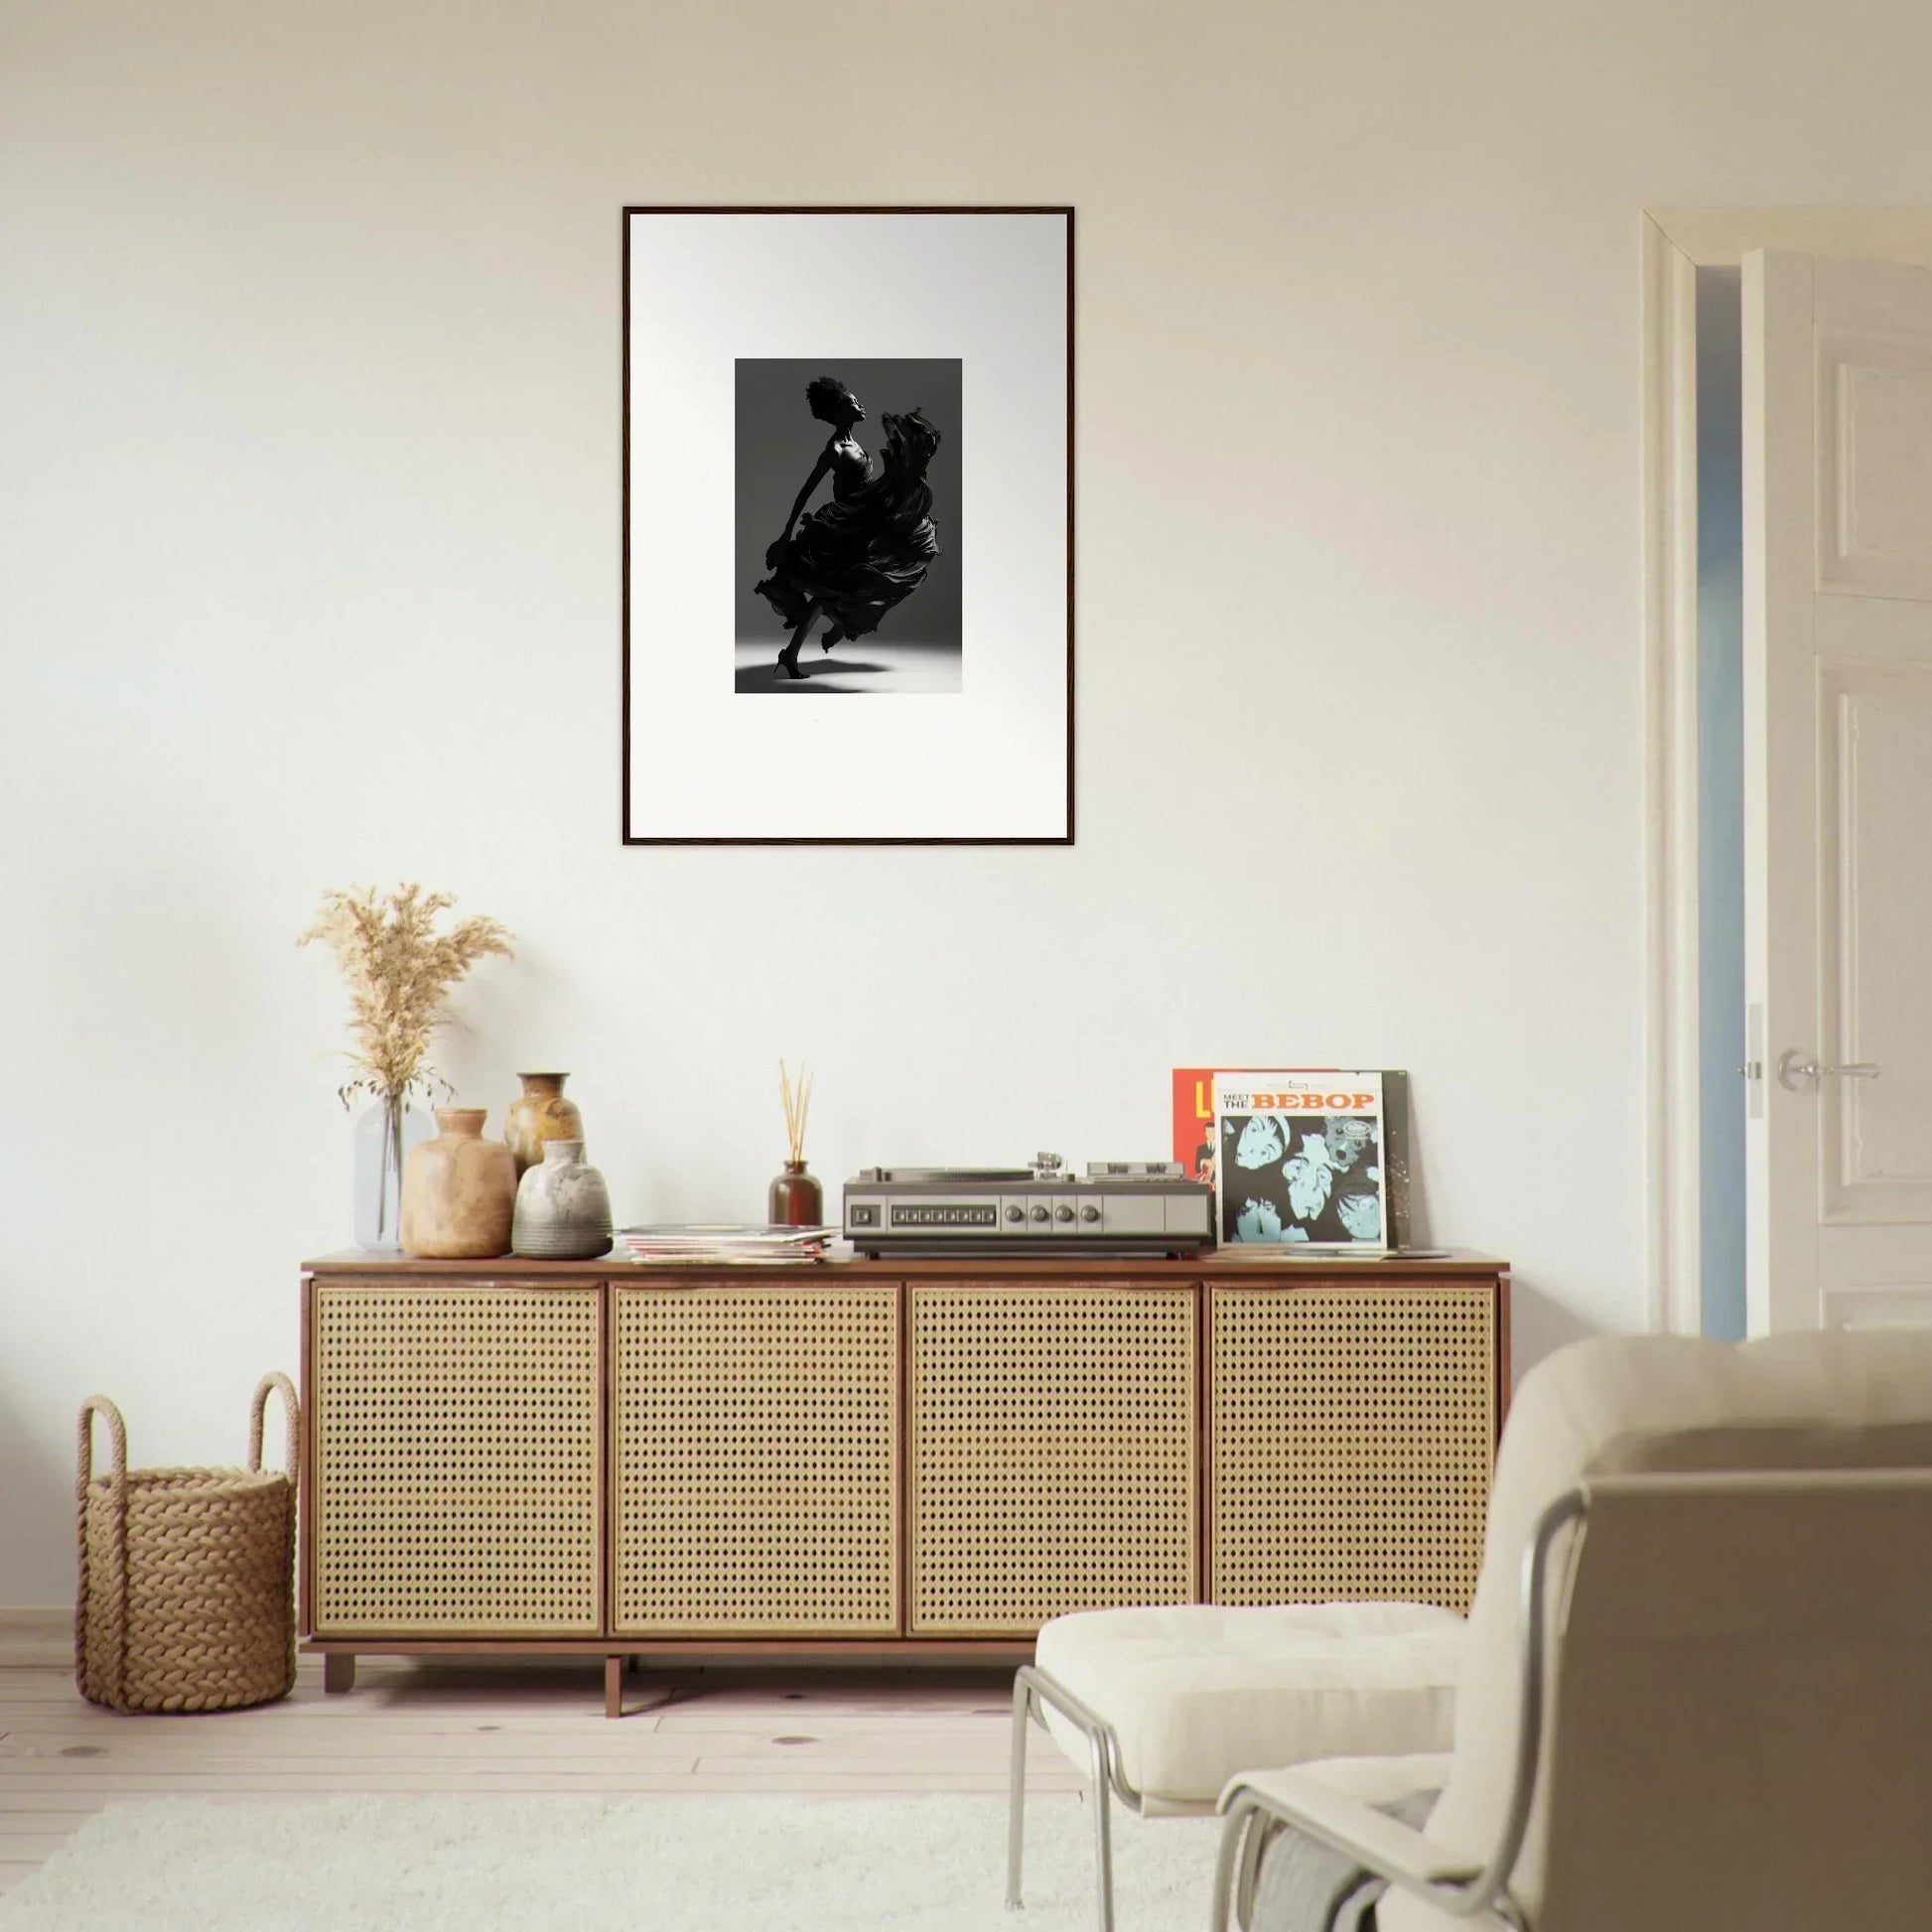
1310 1158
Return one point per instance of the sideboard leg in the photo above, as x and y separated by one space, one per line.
337 1672
614 1687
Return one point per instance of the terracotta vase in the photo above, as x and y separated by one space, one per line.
795 1199
540 1112
563 1208
458 1191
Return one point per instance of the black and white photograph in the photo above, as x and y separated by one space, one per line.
847 472
848 520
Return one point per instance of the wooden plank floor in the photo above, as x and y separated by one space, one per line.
435 1726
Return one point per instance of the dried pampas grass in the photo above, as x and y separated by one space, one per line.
399 970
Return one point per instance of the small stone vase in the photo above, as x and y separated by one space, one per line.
458 1191
540 1112
563 1208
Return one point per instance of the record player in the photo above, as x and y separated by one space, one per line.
1117 1207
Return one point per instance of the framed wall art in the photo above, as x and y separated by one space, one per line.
848 475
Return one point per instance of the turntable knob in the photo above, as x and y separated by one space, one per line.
1090 1213
1062 1212
1040 1214
1015 1212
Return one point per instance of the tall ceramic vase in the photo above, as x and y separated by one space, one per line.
540 1112
384 1134
458 1191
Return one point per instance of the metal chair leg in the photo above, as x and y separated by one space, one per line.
1248 1879
1023 1712
1103 1832
1033 1693
1228 1863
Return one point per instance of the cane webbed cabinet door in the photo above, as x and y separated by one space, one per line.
458 1459
1053 1462
1351 1436
754 1433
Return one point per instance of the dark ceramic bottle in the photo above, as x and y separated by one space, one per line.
796 1201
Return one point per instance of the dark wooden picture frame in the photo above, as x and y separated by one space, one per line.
633 837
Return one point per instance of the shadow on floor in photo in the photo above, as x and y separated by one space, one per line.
769 677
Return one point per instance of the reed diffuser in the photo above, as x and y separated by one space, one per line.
795 1199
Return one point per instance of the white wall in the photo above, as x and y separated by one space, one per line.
308 326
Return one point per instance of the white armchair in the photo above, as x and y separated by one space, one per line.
1696 1693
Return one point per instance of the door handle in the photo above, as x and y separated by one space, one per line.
1800 1072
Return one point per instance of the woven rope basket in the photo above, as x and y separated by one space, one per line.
185 1600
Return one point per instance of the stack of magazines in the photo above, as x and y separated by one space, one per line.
723 1241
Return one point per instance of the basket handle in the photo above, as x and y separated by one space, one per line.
258 1415
98 1404
115 1636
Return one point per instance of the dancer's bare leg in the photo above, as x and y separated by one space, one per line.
788 658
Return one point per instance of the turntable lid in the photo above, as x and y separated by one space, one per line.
936 1176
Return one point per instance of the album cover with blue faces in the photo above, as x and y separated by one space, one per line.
1301 1160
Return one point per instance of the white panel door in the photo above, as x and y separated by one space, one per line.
1837 789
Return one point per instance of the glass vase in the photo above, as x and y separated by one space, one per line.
795 1199
384 1134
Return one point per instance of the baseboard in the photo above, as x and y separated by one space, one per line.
37 1639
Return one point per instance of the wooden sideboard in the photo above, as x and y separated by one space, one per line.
879 1458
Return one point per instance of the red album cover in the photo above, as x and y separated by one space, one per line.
1193 1121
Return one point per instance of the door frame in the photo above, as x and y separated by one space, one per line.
1675 244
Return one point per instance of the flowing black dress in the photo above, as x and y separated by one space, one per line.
871 546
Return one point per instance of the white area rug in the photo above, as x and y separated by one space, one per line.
642 1864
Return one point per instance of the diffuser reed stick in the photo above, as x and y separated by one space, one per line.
796 1098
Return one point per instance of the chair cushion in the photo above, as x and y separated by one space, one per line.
1198 1692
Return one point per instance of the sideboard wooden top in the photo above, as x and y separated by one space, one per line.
1214 1264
